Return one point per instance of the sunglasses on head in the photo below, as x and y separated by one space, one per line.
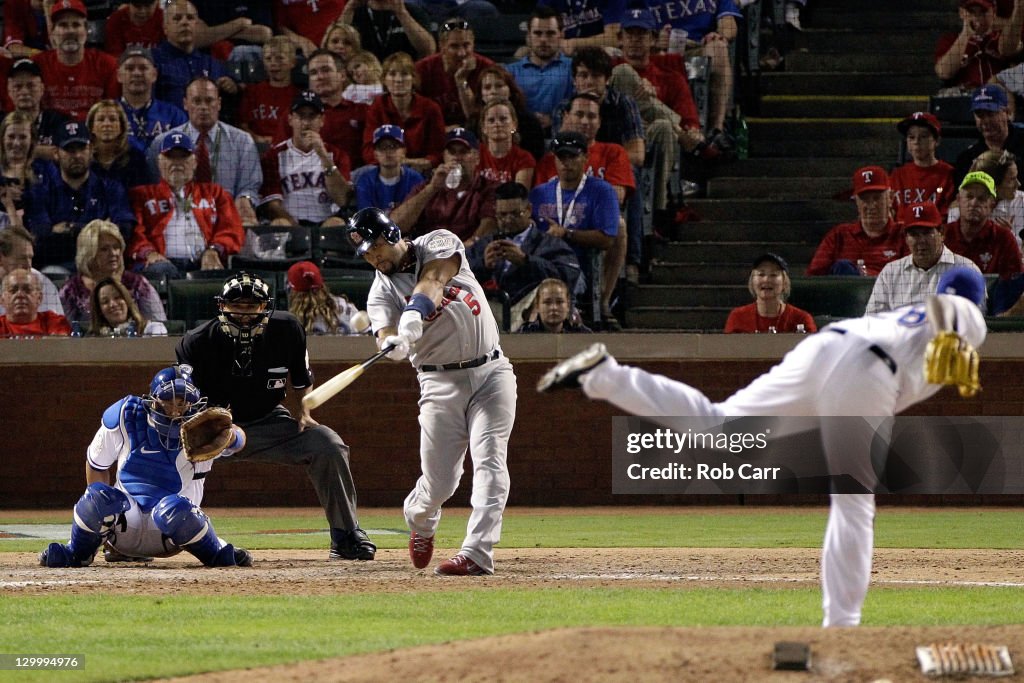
455 25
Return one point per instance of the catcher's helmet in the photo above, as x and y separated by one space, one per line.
166 413
367 225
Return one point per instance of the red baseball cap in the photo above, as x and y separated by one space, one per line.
923 214
75 6
920 118
304 276
870 178
987 4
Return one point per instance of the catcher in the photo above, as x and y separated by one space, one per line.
163 445
871 367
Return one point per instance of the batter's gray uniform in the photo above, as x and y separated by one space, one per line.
871 367
467 396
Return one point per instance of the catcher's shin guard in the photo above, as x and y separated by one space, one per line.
187 527
96 512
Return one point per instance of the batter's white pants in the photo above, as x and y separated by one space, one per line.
828 374
461 409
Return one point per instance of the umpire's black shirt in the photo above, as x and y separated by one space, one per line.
278 351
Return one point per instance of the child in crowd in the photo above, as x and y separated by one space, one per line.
365 72
320 312
925 178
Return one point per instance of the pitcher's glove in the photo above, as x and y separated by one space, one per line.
206 435
950 360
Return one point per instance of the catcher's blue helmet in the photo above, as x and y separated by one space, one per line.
168 386
367 225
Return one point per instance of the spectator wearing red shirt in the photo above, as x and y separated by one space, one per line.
305 22
466 209
975 235
449 76
925 178
770 286
183 225
344 121
501 159
25 32
137 23
874 239
401 105
264 107
75 76
969 59
21 296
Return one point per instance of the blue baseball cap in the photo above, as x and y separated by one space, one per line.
463 135
639 18
389 131
72 133
176 140
989 98
965 282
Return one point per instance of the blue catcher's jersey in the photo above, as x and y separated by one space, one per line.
145 469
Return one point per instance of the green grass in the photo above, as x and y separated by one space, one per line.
136 637
681 527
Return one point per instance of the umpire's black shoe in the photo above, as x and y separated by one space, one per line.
351 545
566 375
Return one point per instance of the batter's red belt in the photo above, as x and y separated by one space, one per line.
463 365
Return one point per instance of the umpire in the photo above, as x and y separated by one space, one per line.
242 360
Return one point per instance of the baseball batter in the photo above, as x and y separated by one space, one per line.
153 508
870 366
426 303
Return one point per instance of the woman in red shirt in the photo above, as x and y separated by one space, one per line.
769 285
501 159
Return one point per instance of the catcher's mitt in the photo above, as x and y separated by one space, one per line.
950 360
206 435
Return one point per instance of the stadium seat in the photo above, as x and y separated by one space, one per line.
192 300
499 37
354 284
837 296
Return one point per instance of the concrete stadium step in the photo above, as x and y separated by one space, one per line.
677 318
811 106
822 128
732 252
768 232
879 6
717 296
909 62
723 274
722 187
878 83
826 16
771 210
881 151
796 166
848 41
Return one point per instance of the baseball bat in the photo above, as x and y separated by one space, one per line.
336 384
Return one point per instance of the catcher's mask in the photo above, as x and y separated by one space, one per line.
367 225
245 306
172 399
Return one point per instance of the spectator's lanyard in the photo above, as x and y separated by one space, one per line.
563 218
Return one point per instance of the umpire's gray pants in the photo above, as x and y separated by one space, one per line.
276 438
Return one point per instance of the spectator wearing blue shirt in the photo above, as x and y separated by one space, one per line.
588 23
67 196
147 117
387 184
710 26
179 61
582 210
544 74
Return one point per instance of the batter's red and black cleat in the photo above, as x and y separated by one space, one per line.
566 375
421 549
460 565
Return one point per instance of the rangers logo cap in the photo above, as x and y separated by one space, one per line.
640 17
921 214
176 140
389 132
73 133
920 118
870 178
463 135
989 98
310 99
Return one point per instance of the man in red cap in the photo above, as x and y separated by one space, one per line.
75 76
925 178
913 278
969 59
865 246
